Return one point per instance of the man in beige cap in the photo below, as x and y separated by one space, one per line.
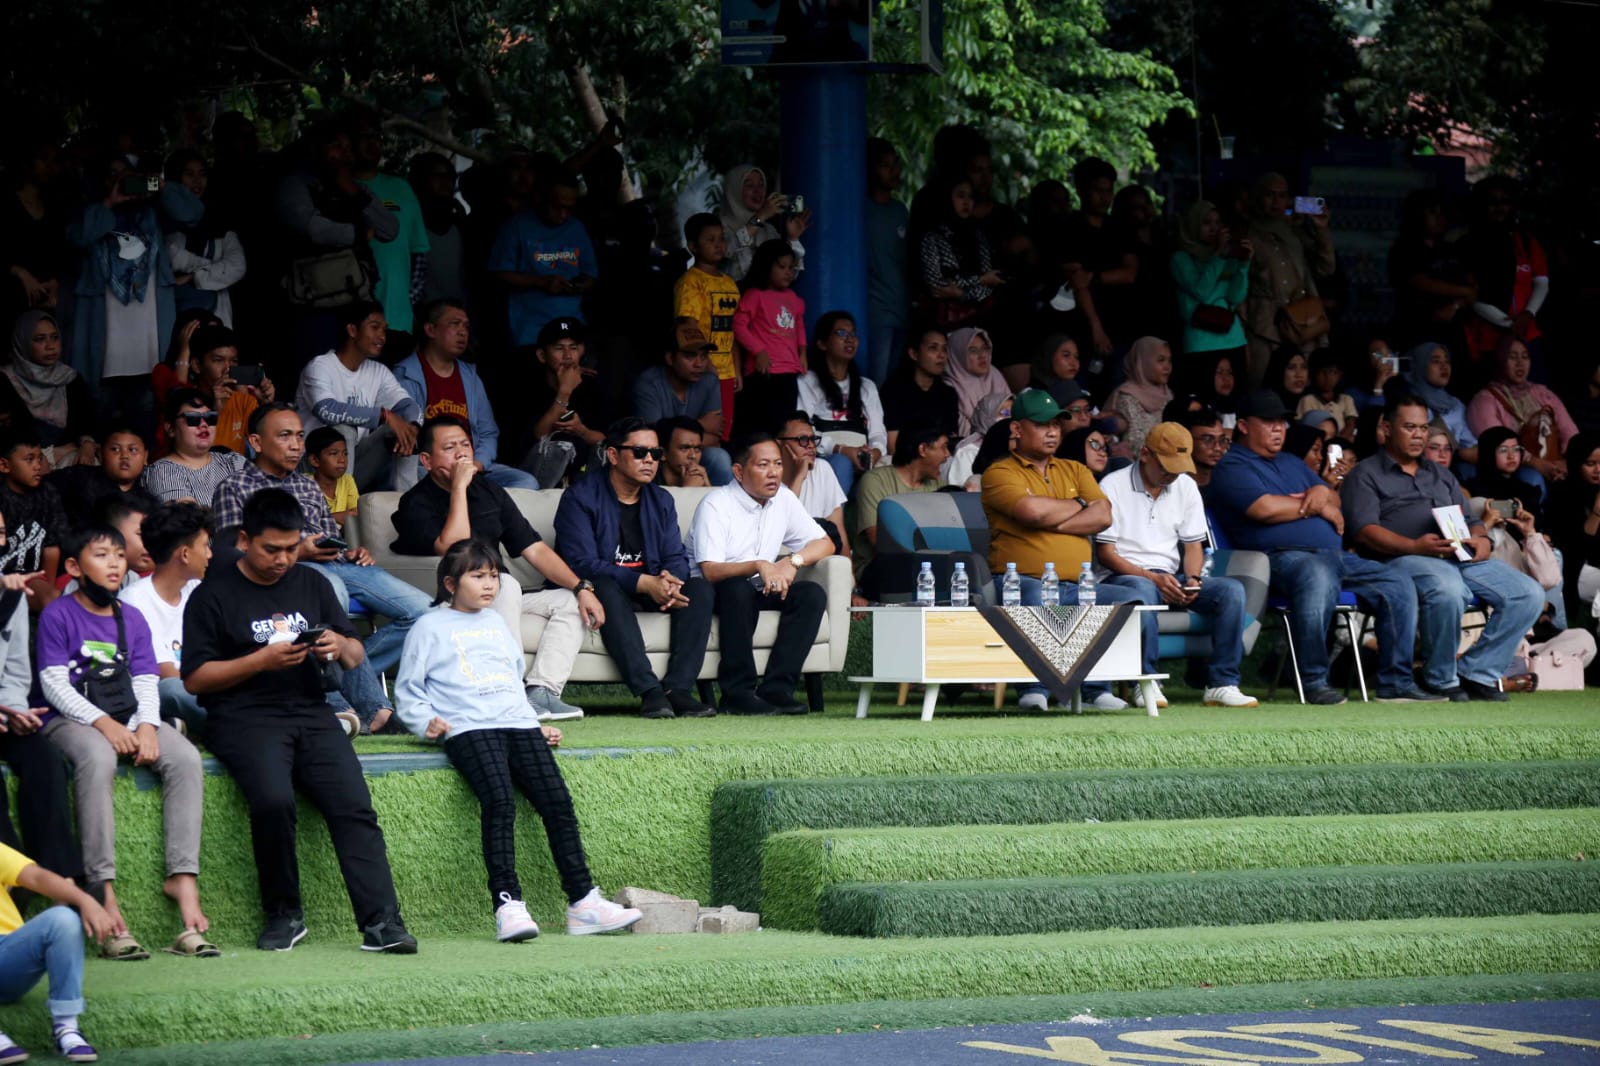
1155 546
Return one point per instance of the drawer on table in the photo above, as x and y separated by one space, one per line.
963 645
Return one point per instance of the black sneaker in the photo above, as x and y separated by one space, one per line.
283 932
654 704
1478 691
1454 695
748 704
1325 697
687 706
1409 695
786 704
388 934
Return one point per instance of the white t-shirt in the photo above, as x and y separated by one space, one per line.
332 394
820 492
823 415
165 619
1146 532
731 526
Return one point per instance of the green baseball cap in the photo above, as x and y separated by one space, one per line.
1035 405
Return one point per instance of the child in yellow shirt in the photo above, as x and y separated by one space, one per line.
329 458
710 297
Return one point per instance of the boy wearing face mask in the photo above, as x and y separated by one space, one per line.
98 674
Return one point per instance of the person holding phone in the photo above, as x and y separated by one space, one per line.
1293 252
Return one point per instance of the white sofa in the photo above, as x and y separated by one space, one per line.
374 530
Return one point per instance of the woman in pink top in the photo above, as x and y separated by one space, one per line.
770 326
1534 413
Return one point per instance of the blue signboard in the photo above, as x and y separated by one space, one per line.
795 32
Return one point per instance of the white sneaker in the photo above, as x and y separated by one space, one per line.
1107 702
1229 696
596 914
351 724
1033 701
512 924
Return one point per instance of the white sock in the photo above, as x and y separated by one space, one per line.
64 1021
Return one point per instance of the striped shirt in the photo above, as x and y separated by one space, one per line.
168 480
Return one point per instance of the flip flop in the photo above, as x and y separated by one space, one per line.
123 948
193 944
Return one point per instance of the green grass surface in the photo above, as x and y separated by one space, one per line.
531 1038
799 865
1219 897
328 986
745 813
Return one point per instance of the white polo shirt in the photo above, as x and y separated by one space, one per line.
1147 530
731 526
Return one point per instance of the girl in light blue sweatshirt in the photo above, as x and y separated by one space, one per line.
461 682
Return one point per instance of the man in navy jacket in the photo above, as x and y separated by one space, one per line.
618 530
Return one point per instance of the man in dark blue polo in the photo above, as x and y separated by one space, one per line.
1271 502
1388 503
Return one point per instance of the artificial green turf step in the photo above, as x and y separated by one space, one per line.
800 864
328 986
745 813
1216 897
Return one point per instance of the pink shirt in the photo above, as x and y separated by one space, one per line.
772 321
1486 410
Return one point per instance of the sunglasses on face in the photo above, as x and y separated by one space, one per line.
804 442
639 451
193 419
1097 445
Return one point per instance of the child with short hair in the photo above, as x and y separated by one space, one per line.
1324 394
710 297
328 455
97 670
461 682
771 327
177 537
36 520
50 944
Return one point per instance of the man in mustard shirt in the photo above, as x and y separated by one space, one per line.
50 943
1044 510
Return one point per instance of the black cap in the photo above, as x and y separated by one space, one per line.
1265 404
1065 392
564 328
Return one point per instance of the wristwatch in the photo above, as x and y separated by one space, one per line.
797 560
583 586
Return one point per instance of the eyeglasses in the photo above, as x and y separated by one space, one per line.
1097 445
804 442
845 334
193 419
639 451
1509 450
1078 409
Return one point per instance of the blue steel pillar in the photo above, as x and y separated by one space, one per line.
825 160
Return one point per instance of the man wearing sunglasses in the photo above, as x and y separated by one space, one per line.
619 530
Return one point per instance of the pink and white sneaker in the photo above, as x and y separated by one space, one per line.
596 914
512 923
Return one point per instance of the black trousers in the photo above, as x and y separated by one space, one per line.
271 758
739 606
499 763
691 630
44 808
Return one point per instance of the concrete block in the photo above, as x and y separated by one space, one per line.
674 916
637 897
727 920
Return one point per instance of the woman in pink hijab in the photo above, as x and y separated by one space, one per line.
972 374
1140 400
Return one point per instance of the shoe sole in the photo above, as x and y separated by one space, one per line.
301 935
20 1056
1219 703
519 936
392 949
1408 699
590 930
659 715
560 716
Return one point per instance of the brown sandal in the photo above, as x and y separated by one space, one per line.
191 943
121 947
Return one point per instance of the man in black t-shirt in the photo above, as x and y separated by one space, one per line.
565 400
453 502
122 460
621 532
246 656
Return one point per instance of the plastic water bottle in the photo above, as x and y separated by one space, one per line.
1011 587
925 586
1205 567
1086 586
959 596
1050 587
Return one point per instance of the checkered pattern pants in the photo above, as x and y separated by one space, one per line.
499 763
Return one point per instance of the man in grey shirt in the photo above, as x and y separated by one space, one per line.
682 387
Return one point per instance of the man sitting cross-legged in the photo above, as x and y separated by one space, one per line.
620 531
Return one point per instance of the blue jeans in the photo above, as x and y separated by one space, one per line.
1312 579
1443 590
718 464
50 943
886 346
509 477
178 702
1069 598
360 690
844 470
1221 599
384 594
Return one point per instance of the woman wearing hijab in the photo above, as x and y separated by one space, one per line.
971 372
1536 414
1210 270
39 387
992 409
1291 255
1140 400
1215 380
1428 375
751 216
206 256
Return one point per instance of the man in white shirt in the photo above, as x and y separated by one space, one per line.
815 483
1156 547
737 533
349 388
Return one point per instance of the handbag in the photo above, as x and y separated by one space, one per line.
1556 670
109 685
1542 565
324 282
1303 320
1212 319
